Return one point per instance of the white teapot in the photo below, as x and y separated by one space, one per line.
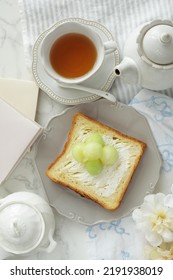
148 56
26 224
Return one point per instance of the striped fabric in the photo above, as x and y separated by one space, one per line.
119 16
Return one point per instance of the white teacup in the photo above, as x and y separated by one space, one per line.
102 49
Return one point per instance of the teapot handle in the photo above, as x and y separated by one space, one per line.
51 245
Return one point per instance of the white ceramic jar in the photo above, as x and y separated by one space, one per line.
27 224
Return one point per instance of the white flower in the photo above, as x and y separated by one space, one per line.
163 252
155 218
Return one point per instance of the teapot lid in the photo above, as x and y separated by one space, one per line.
21 227
155 43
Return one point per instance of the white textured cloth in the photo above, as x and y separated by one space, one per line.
158 110
121 17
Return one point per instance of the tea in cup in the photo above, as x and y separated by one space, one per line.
71 53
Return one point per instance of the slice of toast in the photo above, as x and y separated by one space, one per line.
109 186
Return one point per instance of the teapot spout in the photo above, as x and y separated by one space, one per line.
128 71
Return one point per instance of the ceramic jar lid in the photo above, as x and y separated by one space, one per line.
155 43
21 227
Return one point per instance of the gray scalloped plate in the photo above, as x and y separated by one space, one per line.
103 79
125 119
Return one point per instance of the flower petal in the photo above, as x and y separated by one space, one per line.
137 216
151 253
159 199
168 201
149 198
172 188
167 235
154 239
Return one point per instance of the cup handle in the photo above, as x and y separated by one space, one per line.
51 246
110 46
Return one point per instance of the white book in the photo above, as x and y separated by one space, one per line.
17 134
21 94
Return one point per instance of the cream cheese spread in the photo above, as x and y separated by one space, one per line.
107 181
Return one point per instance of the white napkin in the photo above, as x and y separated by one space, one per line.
121 17
17 134
158 109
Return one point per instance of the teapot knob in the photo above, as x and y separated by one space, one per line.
155 44
165 38
18 228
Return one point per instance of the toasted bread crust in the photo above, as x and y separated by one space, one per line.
55 173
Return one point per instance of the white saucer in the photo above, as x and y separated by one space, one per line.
103 79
